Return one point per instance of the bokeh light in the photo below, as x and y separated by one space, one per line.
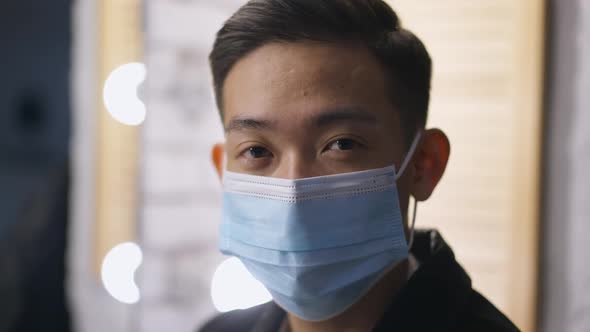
233 287
118 270
120 94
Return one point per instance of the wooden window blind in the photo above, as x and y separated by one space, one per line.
120 42
487 95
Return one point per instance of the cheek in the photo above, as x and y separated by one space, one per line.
230 161
232 166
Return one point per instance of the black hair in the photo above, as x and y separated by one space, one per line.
371 23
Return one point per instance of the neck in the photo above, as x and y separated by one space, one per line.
365 313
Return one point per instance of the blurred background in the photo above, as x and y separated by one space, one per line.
109 204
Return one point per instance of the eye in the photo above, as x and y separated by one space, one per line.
343 144
257 152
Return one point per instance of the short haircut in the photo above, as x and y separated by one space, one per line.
371 23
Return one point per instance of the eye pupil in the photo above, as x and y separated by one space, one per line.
257 152
345 144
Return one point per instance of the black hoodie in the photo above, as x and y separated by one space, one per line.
437 297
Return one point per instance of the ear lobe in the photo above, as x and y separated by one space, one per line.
217 157
430 163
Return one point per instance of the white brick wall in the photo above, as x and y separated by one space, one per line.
180 189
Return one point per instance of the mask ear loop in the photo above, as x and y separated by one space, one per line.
409 156
402 169
412 227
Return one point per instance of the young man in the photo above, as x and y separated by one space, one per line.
324 105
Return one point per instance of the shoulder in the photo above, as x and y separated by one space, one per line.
483 316
236 320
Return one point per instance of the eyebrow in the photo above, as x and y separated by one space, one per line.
239 123
345 114
326 118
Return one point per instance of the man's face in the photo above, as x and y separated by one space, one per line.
304 109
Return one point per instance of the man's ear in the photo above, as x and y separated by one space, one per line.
429 163
217 153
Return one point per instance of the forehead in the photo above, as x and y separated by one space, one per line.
294 80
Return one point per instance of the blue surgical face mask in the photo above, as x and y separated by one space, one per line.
317 244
